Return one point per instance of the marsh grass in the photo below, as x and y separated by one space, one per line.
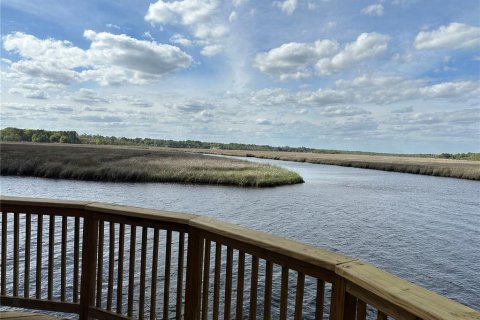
104 163
463 169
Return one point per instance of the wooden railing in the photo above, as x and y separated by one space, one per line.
114 262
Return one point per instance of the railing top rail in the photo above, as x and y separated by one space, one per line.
398 292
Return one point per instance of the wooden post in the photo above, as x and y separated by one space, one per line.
337 305
193 290
89 261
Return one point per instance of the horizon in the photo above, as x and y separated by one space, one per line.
391 76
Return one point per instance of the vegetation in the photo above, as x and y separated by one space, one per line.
463 169
37 135
136 165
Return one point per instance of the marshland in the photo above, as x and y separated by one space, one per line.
123 164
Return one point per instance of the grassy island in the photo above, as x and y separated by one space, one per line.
128 164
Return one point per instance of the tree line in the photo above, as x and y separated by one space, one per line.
50 136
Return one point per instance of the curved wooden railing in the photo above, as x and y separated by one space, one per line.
114 262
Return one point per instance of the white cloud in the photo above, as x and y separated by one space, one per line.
212 50
181 40
343 111
367 45
200 16
87 96
454 36
287 6
293 60
112 26
232 17
147 35
238 3
111 59
373 10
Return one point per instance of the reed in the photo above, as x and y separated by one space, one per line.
127 164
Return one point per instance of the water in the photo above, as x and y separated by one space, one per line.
421 228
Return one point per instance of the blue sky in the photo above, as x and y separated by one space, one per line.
385 75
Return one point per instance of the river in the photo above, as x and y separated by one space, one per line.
424 229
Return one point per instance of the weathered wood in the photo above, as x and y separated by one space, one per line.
403 295
381 315
38 266
240 285
206 279
143 266
111 265
121 241
319 299
38 304
89 261
101 235
299 296
284 294
51 255
337 301
361 309
63 260
228 285
193 290
76 258
153 289
216 280
16 243
166 284
3 267
101 314
253 289
350 308
181 252
24 316
131 271
267 307
28 235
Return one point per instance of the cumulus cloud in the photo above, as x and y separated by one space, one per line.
453 36
295 60
111 59
366 46
198 15
87 96
373 10
343 111
287 6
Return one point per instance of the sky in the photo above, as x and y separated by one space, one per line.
372 75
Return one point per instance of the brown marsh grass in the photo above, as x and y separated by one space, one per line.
113 163
463 169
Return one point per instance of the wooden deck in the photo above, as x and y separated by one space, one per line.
25 316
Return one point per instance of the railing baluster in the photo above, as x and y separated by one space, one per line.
193 290
121 240
131 271
299 296
3 289
38 275
267 309
206 280
76 258
240 284
63 263
166 284
337 299
111 266
253 289
28 233
51 252
319 300
89 261
216 280
228 284
143 266
101 234
350 307
381 315
361 310
153 294
284 294
181 252
16 243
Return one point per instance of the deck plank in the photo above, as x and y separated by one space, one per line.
11 315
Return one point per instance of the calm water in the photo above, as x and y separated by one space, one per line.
424 229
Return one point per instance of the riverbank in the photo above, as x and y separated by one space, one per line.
130 164
462 169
